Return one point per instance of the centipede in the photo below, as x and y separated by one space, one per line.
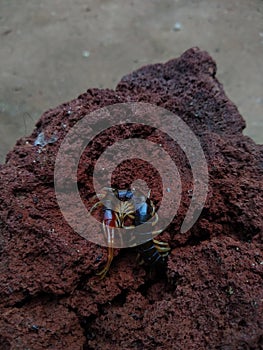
132 209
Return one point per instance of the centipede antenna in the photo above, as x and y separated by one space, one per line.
109 189
95 206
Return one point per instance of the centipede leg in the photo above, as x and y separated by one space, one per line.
162 247
104 271
110 240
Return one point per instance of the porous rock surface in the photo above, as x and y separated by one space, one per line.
209 295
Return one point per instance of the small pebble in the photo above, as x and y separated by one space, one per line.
34 327
190 193
7 31
230 291
42 141
177 27
85 54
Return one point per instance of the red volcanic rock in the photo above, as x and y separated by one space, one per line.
209 295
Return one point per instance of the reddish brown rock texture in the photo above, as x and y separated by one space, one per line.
210 294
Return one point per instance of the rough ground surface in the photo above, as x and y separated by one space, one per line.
210 294
44 48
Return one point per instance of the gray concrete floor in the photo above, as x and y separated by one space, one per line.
53 50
